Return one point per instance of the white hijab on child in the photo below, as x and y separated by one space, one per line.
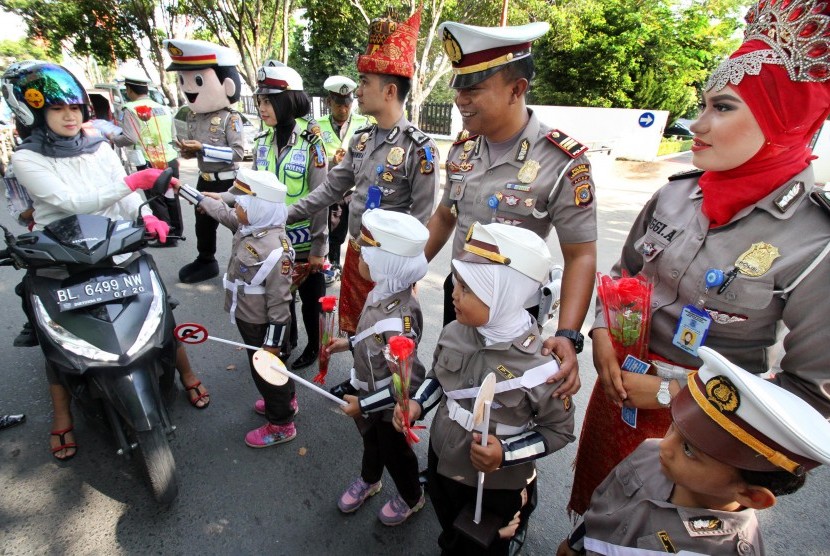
392 273
261 214
504 290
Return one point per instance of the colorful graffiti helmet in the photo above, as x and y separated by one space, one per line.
32 85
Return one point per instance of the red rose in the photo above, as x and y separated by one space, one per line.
144 113
328 302
401 347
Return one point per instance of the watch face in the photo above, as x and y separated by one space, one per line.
664 397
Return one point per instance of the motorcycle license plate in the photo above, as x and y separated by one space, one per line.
101 289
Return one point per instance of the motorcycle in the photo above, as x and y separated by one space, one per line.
102 317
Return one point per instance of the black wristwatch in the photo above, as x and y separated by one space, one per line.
573 335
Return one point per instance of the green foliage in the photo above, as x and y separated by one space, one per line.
652 54
23 49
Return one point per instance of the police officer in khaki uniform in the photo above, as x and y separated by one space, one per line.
153 140
338 126
506 264
737 442
392 164
516 170
210 81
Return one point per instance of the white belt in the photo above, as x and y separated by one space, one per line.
602 547
360 385
218 176
467 421
530 379
234 287
393 324
670 371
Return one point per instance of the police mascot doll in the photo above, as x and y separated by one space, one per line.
210 81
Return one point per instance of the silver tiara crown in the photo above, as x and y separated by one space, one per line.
798 34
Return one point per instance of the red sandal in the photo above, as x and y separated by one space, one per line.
201 395
64 445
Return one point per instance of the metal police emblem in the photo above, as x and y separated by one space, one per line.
395 156
451 47
216 120
387 177
757 260
529 171
468 146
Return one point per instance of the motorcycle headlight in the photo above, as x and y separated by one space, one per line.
153 320
66 339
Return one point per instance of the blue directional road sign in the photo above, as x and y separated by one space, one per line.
646 119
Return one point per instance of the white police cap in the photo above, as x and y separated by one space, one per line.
192 55
393 232
275 77
747 422
477 53
517 248
340 85
260 184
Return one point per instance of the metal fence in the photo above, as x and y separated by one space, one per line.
436 117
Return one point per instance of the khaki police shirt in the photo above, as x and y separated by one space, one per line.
408 186
537 183
369 362
247 254
222 128
671 243
631 508
463 361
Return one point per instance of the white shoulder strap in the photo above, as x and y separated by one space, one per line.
394 324
530 379
267 266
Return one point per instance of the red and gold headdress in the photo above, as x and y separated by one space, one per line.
392 46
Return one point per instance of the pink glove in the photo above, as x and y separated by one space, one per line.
143 179
156 227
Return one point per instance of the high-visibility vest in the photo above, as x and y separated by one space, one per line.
331 140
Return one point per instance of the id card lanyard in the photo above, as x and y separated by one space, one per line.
374 195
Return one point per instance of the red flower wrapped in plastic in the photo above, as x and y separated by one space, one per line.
399 353
144 113
626 304
327 321
150 137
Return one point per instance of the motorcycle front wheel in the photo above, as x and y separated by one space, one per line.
159 464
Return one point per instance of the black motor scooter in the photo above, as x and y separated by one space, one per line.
102 317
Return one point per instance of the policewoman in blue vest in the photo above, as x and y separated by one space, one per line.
291 147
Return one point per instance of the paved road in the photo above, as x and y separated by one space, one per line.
281 500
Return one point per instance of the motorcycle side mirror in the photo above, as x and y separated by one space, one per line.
162 183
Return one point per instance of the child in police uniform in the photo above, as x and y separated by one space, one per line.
258 283
392 256
500 268
697 489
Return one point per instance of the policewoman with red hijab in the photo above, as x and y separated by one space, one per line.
737 251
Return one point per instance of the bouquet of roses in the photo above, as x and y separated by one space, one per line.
327 321
626 304
150 140
399 353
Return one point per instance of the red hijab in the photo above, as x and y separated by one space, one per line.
789 114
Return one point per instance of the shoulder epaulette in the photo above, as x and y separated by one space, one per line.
311 137
461 139
821 197
417 135
686 175
568 144
364 128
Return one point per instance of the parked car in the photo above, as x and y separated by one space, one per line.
679 128
116 93
249 130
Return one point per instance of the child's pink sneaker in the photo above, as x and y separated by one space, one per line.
356 494
396 511
259 405
270 435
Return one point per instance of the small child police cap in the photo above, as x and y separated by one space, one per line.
260 184
747 422
517 248
275 77
394 232
192 55
477 53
